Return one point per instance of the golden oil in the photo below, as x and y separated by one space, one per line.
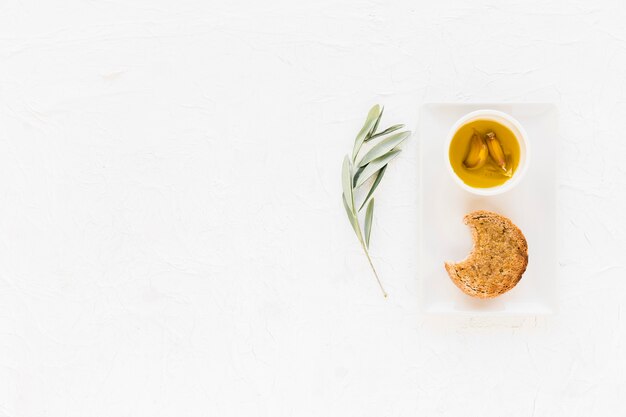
490 174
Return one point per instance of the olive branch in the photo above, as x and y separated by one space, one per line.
362 165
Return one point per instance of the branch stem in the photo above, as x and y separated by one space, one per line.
360 236
380 284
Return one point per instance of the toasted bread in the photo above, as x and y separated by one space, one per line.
497 261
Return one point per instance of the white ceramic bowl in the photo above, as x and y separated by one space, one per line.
519 133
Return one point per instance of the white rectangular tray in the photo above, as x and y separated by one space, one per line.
531 205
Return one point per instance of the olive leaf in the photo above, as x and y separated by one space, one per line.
372 116
351 216
379 177
380 116
384 132
354 174
378 163
369 213
383 147
346 182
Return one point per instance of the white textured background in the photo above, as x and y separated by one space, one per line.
172 241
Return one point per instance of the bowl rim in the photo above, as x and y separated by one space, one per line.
522 138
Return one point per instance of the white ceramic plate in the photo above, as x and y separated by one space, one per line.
531 205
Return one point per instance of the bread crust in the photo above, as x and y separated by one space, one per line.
498 259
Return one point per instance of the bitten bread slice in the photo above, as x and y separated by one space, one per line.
498 259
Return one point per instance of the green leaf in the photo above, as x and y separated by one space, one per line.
372 116
346 182
351 217
380 116
384 132
377 164
356 175
379 177
383 147
369 213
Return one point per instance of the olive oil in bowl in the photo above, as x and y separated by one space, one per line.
484 153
